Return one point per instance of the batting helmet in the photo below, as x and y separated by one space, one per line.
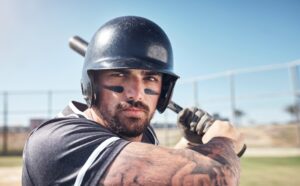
129 42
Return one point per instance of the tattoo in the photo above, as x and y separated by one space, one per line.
220 149
214 163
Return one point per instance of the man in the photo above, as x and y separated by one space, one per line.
127 75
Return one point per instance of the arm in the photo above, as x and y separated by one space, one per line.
214 163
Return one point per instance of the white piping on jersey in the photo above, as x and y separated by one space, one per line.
60 115
75 110
74 115
92 158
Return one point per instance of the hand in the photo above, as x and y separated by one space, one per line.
194 122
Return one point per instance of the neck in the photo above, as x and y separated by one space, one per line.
133 139
92 115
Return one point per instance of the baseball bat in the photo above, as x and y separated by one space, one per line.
79 45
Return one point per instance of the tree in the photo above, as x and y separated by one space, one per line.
293 110
219 117
238 114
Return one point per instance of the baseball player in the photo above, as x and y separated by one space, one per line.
127 75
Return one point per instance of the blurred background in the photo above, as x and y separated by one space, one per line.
238 60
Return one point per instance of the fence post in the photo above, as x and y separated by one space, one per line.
295 85
196 93
5 120
232 96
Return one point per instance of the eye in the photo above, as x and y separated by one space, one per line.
117 74
151 78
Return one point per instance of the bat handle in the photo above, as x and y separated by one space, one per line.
174 107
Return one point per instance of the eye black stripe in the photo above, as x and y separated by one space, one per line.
118 89
150 91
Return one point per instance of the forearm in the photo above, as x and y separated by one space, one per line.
151 165
216 147
220 149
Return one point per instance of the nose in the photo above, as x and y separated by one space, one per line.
134 89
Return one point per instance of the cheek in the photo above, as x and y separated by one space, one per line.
108 100
152 102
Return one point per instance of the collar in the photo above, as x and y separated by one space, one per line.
76 109
73 109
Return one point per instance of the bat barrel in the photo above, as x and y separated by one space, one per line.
78 44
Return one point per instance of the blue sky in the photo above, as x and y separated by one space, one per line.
207 36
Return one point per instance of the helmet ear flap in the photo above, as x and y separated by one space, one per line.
88 90
166 93
87 93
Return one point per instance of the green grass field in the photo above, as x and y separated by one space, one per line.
10 161
270 171
255 171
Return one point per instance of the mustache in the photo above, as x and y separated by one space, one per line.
132 103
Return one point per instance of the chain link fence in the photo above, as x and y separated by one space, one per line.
263 102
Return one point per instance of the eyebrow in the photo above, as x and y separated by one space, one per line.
120 70
144 72
152 73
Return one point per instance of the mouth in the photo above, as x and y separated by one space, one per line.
134 112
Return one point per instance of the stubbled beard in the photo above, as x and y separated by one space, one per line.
125 126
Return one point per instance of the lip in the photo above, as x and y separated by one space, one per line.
133 111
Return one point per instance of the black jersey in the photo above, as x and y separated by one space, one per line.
71 150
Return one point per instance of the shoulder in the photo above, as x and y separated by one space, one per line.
61 147
66 125
61 134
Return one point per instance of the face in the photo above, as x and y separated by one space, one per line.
128 99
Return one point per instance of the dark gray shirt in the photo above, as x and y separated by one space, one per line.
56 151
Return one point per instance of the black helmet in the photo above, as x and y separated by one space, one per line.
129 42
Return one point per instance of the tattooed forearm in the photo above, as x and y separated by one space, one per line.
214 163
219 149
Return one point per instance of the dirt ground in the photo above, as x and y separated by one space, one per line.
10 176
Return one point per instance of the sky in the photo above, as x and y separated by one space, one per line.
207 37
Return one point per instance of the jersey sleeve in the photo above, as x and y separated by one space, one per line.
57 150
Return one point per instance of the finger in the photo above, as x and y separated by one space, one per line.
208 124
198 115
193 110
193 120
193 126
190 115
184 117
203 122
